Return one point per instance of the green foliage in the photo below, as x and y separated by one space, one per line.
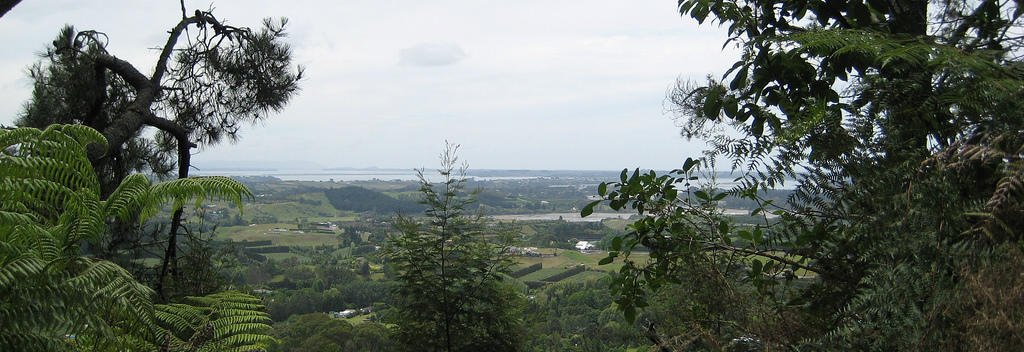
208 81
906 148
565 274
577 316
562 234
450 294
245 74
225 321
529 269
351 294
50 203
69 89
360 199
53 298
318 332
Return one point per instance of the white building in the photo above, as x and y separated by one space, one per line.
584 246
348 313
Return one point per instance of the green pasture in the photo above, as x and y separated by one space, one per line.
617 224
566 258
291 210
359 319
262 232
586 276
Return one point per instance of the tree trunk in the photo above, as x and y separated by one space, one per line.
911 123
170 262
7 5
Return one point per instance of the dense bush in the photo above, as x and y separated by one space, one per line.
534 284
245 243
360 199
562 275
352 295
364 249
523 271
273 249
318 332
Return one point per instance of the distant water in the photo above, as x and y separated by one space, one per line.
347 175
569 217
596 217
320 175
350 175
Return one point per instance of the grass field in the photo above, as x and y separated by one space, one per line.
567 259
260 232
616 224
359 319
562 258
586 276
291 210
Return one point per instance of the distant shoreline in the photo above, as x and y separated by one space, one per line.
379 174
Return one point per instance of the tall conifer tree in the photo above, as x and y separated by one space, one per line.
451 268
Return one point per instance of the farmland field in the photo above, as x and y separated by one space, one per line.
262 232
586 276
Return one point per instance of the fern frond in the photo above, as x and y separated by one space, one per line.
179 191
128 199
84 135
218 322
248 341
49 202
181 319
9 138
19 270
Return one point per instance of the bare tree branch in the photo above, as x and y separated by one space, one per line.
128 72
172 39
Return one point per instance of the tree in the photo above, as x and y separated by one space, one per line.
450 270
7 5
198 94
56 299
318 332
364 268
901 127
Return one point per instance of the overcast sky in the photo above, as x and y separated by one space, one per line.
519 84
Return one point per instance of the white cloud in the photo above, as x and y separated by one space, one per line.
431 54
554 84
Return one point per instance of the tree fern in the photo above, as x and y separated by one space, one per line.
52 298
226 321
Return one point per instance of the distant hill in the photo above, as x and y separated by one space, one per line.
256 165
542 173
360 199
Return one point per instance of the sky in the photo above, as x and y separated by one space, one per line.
552 84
